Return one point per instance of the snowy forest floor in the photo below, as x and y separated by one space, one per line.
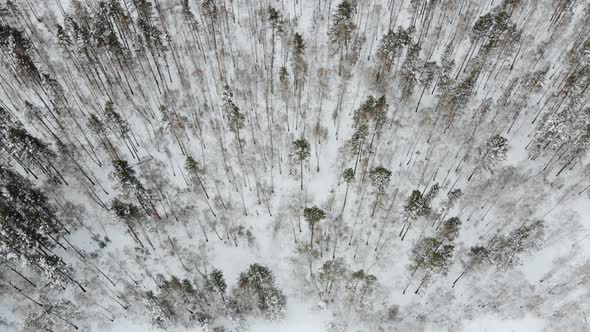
258 192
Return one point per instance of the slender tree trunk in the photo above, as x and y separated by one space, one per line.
345 196
301 173
462 273
311 238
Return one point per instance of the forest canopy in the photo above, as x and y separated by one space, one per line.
346 165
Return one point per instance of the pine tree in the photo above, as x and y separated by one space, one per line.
313 215
431 194
285 91
58 316
129 214
445 81
258 293
421 252
490 154
341 29
452 197
161 311
416 206
330 272
27 150
125 175
173 123
119 127
217 282
380 177
98 128
235 118
450 229
476 256
437 263
505 251
372 111
14 43
300 152
410 71
29 226
432 257
428 74
299 69
361 285
195 172
357 142
348 176
276 23
392 44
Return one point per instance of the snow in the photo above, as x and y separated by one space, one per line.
553 270
491 324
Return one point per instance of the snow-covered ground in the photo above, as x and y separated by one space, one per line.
172 99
